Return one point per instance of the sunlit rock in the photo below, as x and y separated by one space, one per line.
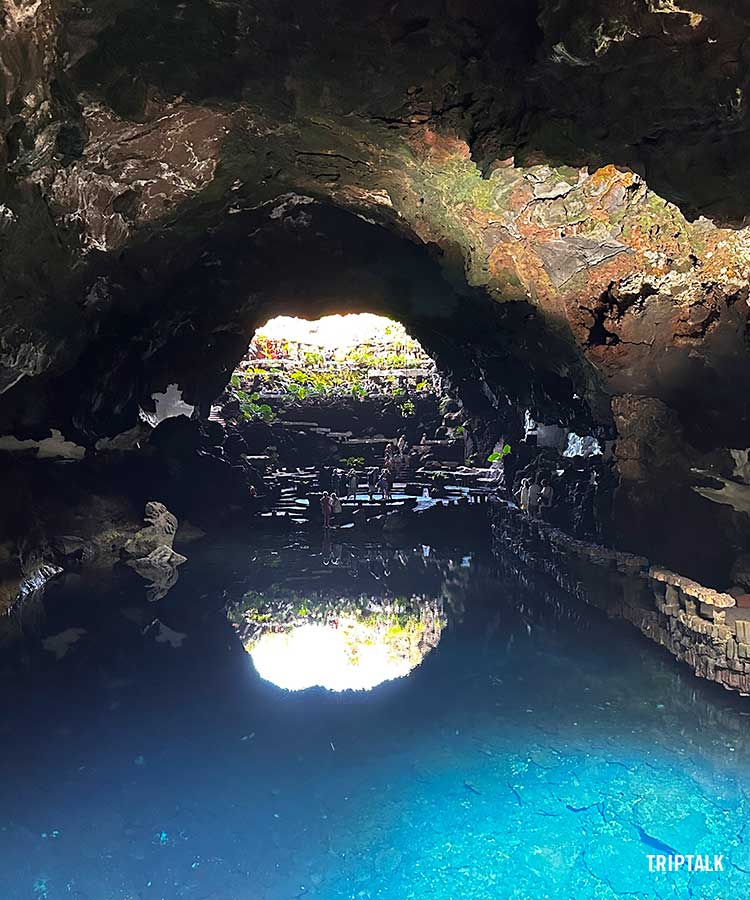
149 552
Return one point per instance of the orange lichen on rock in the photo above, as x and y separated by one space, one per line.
437 146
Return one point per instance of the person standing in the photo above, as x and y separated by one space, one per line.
388 455
373 476
547 494
385 484
523 495
535 496
326 507
353 482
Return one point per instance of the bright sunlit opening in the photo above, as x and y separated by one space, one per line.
339 659
334 331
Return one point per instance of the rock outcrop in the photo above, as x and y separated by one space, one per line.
159 531
149 552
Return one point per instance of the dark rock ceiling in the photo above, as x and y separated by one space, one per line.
588 161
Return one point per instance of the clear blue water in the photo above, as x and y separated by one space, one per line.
537 752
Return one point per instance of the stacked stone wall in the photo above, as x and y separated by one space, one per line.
699 625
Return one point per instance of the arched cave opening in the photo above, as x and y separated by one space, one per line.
504 364
137 403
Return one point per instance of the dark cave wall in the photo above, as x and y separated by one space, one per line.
195 331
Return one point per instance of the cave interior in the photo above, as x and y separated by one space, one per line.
551 197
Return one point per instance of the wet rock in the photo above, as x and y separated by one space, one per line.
150 553
36 580
160 569
160 530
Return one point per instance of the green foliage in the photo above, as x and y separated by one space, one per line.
299 391
331 373
407 409
499 454
250 406
313 358
459 430
353 462
312 383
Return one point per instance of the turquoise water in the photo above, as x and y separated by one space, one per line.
538 751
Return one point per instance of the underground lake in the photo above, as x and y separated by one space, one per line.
503 756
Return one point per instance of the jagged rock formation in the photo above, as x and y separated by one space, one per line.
550 196
159 531
150 553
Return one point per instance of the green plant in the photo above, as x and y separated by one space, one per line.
299 391
459 430
313 358
499 454
407 408
352 462
250 406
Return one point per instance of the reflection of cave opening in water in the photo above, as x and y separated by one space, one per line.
338 659
353 644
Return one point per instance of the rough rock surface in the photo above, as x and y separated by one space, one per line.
159 531
698 625
149 552
549 194
160 569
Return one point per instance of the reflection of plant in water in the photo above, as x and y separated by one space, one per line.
409 626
